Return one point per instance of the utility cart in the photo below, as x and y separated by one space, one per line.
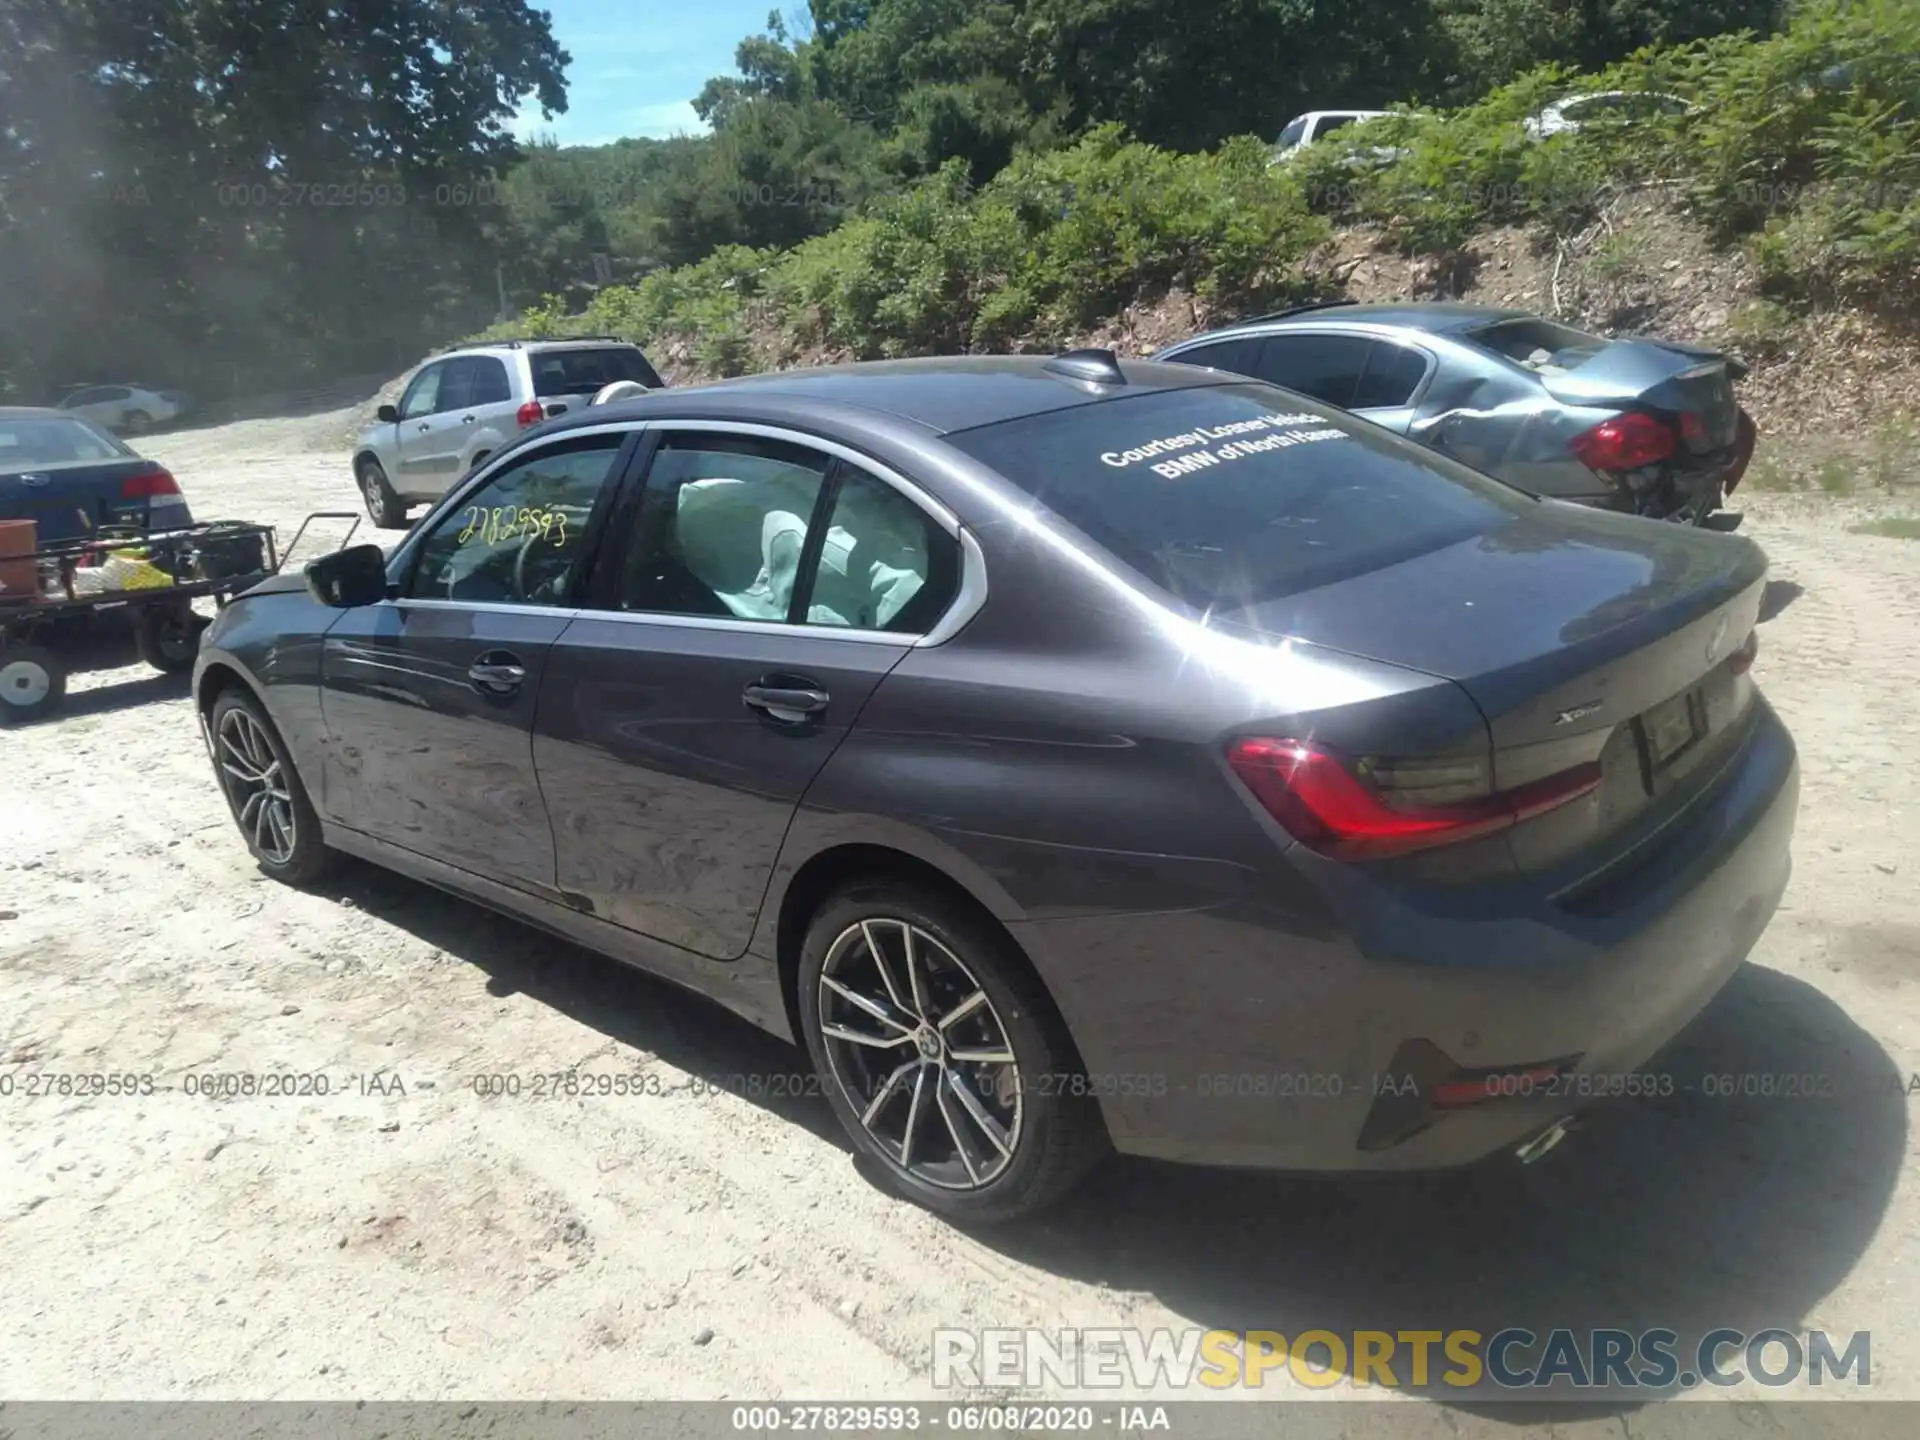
154 576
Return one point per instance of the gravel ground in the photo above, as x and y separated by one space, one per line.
404 1238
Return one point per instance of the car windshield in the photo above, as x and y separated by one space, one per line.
1543 346
49 442
583 372
1294 133
1233 495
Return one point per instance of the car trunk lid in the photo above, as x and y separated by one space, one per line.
1690 387
1687 386
1583 637
72 502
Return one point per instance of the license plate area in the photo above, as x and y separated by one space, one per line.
1669 731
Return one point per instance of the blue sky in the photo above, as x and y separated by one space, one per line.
637 64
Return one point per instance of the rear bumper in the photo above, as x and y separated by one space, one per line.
1258 1042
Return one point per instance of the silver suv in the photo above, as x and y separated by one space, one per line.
464 404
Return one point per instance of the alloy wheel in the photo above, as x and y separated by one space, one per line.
261 799
920 1054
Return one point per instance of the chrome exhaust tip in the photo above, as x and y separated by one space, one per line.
1540 1144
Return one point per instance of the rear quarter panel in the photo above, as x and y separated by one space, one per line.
1062 760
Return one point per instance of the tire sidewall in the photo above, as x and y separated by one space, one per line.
309 851
1035 1049
383 506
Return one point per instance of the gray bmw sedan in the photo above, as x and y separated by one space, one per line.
1071 754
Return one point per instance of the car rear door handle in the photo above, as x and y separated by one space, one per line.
497 673
426 425
468 419
792 701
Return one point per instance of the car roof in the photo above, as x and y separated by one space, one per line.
35 412
1439 317
941 394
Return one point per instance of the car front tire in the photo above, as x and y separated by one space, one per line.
941 1055
384 507
136 422
264 792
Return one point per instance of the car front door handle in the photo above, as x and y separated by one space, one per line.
425 425
497 673
791 701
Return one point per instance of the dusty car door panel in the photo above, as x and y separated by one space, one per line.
669 792
433 737
685 713
429 697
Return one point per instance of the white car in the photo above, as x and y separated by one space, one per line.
1603 107
134 409
1303 130
463 405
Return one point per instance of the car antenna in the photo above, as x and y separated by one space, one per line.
1098 367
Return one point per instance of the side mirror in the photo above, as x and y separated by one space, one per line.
387 414
350 577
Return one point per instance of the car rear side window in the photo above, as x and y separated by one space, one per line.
490 383
585 372
724 524
1232 495
1537 344
1327 367
1393 373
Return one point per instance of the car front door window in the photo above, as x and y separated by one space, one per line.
519 538
423 395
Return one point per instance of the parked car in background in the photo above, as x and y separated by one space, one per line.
1603 107
73 479
1647 426
1303 130
128 408
1067 752
463 405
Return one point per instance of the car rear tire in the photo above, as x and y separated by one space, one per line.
169 636
264 792
32 682
941 1055
136 422
384 507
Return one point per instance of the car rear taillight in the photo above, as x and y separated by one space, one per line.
531 413
1742 659
1496 1085
1626 442
147 484
1328 808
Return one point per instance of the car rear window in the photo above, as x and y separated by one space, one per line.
1537 344
48 442
582 372
1238 494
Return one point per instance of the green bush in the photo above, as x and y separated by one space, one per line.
1806 144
